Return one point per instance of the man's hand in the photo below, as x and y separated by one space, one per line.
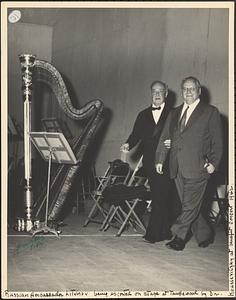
159 168
124 147
210 168
167 143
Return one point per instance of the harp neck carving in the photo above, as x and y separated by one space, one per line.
48 74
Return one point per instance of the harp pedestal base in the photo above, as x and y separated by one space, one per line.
46 229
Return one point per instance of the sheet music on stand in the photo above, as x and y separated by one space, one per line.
62 152
53 147
53 125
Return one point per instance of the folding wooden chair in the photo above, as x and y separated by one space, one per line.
112 175
124 212
219 210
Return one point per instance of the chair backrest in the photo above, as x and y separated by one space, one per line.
122 188
138 176
139 180
118 167
120 171
117 172
102 180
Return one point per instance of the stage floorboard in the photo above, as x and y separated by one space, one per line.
86 259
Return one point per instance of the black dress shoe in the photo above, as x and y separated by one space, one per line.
177 244
205 243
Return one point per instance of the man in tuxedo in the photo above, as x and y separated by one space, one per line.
147 130
194 129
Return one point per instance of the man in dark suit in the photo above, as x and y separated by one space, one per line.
147 130
194 129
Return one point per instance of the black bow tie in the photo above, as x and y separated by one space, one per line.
156 108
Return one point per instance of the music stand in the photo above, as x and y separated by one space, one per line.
51 125
53 147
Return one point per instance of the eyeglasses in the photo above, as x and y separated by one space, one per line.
158 92
192 89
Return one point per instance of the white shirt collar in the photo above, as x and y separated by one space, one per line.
190 109
192 106
157 113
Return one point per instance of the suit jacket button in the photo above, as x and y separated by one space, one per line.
179 149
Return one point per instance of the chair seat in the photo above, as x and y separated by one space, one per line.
125 200
117 172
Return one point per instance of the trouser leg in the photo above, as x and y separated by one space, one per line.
200 229
191 191
158 226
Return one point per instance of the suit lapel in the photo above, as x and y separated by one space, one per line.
150 115
177 115
161 120
194 116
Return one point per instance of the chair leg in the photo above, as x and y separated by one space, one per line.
137 219
107 218
112 214
223 209
223 214
111 218
124 223
119 218
96 208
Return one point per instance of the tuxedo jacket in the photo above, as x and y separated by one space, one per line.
200 141
147 133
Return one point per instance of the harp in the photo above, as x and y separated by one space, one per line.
63 177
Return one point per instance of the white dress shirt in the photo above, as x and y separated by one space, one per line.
157 113
190 110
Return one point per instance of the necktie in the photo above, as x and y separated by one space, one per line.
182 121
156 108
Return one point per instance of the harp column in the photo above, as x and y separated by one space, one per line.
27 62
